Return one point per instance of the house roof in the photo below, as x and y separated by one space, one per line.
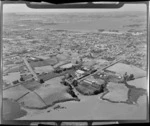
67 65
79 71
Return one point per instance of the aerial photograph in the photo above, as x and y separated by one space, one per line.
74 64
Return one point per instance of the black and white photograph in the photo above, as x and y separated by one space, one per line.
74 64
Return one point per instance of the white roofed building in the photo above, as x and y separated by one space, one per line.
79 73
69 65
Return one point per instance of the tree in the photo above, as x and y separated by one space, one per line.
21 78
75 83
41 81
131 77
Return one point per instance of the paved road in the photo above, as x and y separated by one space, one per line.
30 68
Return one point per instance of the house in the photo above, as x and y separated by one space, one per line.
79 73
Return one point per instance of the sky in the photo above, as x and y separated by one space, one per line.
7 8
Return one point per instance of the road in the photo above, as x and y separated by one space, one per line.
30 69
118 59
100 69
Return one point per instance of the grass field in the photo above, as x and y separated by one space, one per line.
47 95
15 92
87 89
139 83
45 62
116 92
121 68
12 110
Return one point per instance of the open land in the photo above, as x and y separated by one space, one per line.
74 64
